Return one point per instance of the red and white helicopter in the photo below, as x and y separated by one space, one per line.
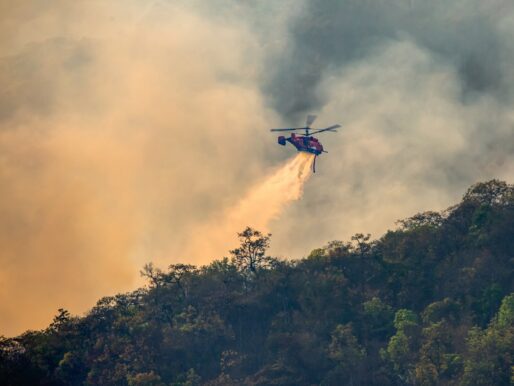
306 142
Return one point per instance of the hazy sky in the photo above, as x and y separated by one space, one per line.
129 128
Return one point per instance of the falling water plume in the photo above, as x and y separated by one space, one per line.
264 202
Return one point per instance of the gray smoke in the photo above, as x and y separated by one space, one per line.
424 91
128 128
469 35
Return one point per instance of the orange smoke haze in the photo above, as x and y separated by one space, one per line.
115 125
263 203
136 131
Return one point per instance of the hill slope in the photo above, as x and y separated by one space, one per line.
429 303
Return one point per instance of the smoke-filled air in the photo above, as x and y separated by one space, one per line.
135 132
263 202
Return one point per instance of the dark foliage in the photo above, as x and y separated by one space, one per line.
430 303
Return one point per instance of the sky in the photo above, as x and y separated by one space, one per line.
134 131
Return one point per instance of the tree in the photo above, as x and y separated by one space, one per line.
398 352
61 320
425 219
361 243
251 254
378 317
346 352
491 351
490 356
145 379
506 313
493 192
437 362
178 274
401 350
153 274
405 319
443 309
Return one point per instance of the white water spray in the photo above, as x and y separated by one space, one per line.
264 202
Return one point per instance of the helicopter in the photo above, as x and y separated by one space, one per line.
306 142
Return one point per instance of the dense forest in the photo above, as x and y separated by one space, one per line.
429 303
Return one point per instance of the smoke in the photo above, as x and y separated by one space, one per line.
129 130
263 202
469 35
424 93
115 122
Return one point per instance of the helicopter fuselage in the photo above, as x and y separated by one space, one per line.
304 143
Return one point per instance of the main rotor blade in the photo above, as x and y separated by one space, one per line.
310 119
331 128
291 129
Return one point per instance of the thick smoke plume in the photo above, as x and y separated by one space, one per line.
424 91
263 202
127 128
115 121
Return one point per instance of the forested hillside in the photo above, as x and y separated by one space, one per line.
429 303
